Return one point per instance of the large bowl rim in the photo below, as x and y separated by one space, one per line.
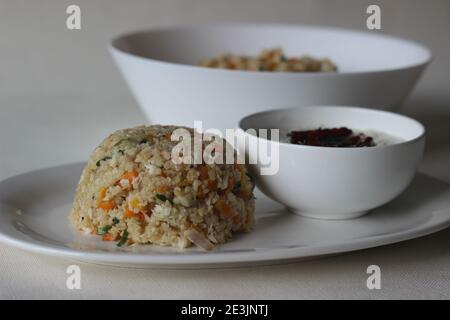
344 108
112 46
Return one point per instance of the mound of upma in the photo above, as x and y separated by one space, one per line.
132 192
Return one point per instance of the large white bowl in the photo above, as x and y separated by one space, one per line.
159 66
335 183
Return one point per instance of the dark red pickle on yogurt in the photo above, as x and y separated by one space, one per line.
342 137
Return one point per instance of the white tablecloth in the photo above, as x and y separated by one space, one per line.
60 95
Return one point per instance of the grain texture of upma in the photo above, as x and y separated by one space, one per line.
132 192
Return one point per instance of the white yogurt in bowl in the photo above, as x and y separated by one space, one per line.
381 138
335 182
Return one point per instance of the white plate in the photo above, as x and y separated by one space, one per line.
34 208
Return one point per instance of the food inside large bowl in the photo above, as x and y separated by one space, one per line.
270 60
132 192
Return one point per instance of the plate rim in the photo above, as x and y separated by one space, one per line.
265 255
438 220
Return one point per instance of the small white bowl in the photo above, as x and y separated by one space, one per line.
336 183
375 70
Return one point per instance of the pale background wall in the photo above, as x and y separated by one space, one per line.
42 64
42 57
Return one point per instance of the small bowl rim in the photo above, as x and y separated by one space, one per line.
114 48
419 137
